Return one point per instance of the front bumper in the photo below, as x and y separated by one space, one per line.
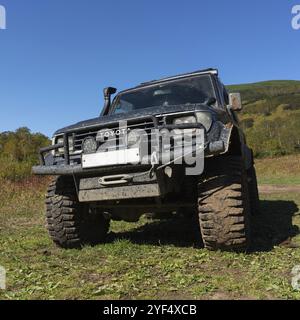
68 170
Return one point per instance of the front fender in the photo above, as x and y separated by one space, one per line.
235 144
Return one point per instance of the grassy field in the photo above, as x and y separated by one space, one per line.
284 170
149 259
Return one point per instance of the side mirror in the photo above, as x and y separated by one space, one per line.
210 101
235 101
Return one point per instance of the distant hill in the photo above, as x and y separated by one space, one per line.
260 90
271 116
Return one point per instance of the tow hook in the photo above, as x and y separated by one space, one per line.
115 180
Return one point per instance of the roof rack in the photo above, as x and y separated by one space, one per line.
210 70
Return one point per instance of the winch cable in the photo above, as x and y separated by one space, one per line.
75 182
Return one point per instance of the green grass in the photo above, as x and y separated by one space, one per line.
149 259
278 180
283 170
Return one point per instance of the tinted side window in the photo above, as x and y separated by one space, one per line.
225 94
219 88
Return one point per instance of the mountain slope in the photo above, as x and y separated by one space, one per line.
271 116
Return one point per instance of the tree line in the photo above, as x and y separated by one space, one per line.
19 152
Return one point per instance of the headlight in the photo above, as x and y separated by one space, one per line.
89 145
185 120
58 140
205 119
133 138
60 150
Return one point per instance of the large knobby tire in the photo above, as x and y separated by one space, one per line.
253 191
223 209
72 224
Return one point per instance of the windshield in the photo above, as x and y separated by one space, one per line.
182 91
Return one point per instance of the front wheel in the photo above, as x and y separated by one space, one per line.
253 190
223 199
72 224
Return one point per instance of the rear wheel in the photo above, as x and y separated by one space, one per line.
223 199
70 223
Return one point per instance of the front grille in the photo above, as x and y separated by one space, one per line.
147 125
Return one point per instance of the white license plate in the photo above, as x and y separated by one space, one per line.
109 158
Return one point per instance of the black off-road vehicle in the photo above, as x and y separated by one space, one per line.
130 161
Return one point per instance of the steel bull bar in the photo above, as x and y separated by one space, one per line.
66 168
70 132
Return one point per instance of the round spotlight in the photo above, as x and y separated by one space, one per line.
89 145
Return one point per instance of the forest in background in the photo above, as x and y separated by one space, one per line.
19 152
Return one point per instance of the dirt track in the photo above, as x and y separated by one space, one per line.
269 188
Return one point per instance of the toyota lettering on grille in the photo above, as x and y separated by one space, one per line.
111 133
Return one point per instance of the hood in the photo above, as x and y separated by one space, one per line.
155 111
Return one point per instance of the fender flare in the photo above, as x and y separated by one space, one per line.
235 144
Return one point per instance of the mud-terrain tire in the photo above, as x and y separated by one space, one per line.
72 224
223 205
253 190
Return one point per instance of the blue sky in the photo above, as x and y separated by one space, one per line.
57 55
